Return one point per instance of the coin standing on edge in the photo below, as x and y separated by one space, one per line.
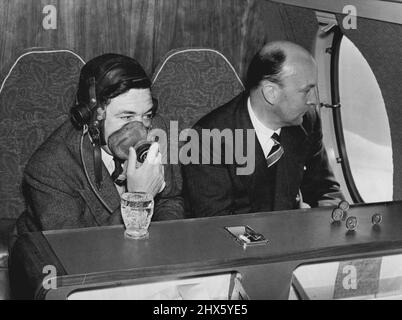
351 223
376 218
337 214
344 205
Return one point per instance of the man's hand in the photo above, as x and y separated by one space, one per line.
149 176
303 205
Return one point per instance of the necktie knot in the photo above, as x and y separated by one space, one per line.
275 137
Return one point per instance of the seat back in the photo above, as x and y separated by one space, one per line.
35 96
189 83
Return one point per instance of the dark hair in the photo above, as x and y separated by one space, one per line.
120 88
265 66
114 74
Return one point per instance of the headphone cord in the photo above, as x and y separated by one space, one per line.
94 189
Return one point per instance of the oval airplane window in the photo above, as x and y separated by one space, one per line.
365 126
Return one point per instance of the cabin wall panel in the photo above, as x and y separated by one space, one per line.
199 23
300 25
89 28
266 21
262 23
146 29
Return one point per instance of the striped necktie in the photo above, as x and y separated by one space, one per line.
276 152
117 173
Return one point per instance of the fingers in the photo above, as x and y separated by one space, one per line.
153 135
162 186
304 205
132 160
125 166
154 185
149 177
159 135
162 171
162 174
158 180
153 153
159 185
158 159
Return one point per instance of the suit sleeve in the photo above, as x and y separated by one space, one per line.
169 204
207 187
50 204
319 186
53 202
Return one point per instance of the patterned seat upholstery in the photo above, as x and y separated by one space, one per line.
35 96
189 83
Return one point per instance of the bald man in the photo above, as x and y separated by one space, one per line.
290 161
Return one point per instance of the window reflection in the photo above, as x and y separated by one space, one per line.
374 278
366 127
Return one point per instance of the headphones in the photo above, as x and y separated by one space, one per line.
83 114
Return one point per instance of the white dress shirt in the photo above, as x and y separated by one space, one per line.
263 133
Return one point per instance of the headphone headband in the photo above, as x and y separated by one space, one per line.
92 93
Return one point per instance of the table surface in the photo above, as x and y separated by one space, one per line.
202 243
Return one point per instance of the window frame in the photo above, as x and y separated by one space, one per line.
337 118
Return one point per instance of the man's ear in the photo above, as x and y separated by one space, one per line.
270 92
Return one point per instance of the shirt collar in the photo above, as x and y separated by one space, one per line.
260 129
108 161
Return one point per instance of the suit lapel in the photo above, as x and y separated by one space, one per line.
294 142
242 120
107 194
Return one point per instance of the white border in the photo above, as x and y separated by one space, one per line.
196 50
33 52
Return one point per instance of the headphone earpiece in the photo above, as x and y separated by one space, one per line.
81 113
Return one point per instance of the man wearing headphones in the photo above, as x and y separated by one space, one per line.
76 177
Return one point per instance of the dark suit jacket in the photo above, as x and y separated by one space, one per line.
212 189
60 195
